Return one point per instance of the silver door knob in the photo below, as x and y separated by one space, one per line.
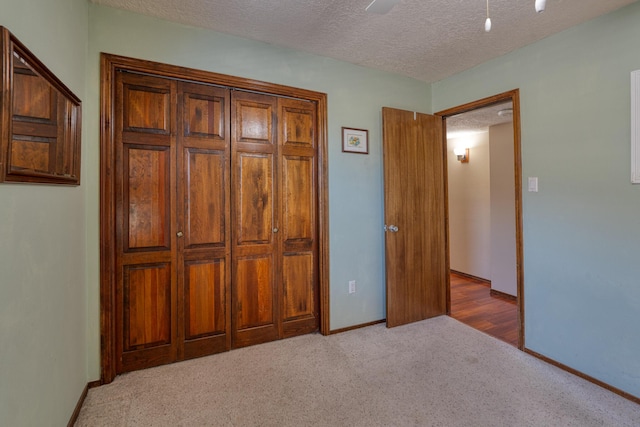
179 234
275 230
393 228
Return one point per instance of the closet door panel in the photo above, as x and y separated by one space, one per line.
298 123
205 290
146 108
254 199
298 200
146 319
298 286
298 277
147 308
256 311
205 200
254 119
206 113
203 212
147 197
254 292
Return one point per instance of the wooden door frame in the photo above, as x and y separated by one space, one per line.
110 65
514 97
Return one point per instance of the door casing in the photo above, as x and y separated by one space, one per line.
110 65
514 97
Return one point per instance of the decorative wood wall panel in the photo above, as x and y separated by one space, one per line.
32 154
33 97
40 120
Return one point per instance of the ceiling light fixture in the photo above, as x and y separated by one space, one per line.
539 5
505 112
487 23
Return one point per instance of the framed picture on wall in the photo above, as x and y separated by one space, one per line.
355 140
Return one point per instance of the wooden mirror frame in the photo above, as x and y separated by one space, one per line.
40 120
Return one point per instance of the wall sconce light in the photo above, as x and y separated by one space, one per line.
462 154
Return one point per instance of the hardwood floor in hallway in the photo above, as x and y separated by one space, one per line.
473 305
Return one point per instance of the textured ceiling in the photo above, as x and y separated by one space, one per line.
478 120
425 39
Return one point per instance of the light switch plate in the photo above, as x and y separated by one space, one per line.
533 184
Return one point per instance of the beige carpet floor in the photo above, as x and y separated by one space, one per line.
438 372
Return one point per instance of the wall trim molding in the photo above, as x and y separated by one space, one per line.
76 411
472 277
83 396
584 376
361 325
497 293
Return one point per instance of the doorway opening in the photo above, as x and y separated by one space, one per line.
484 216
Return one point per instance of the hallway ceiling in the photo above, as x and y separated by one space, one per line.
479 120
425 39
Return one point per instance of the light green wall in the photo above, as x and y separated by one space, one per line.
581 231
355 98
43 349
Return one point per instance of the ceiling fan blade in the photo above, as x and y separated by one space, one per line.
381 6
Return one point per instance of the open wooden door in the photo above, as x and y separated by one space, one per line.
414 204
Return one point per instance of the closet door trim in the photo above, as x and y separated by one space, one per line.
110 65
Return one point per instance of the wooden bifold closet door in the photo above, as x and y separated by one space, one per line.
216 224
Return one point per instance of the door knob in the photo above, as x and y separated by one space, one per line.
275 230
179 234
393 228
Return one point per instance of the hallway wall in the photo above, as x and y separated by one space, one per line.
504 277
470 206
